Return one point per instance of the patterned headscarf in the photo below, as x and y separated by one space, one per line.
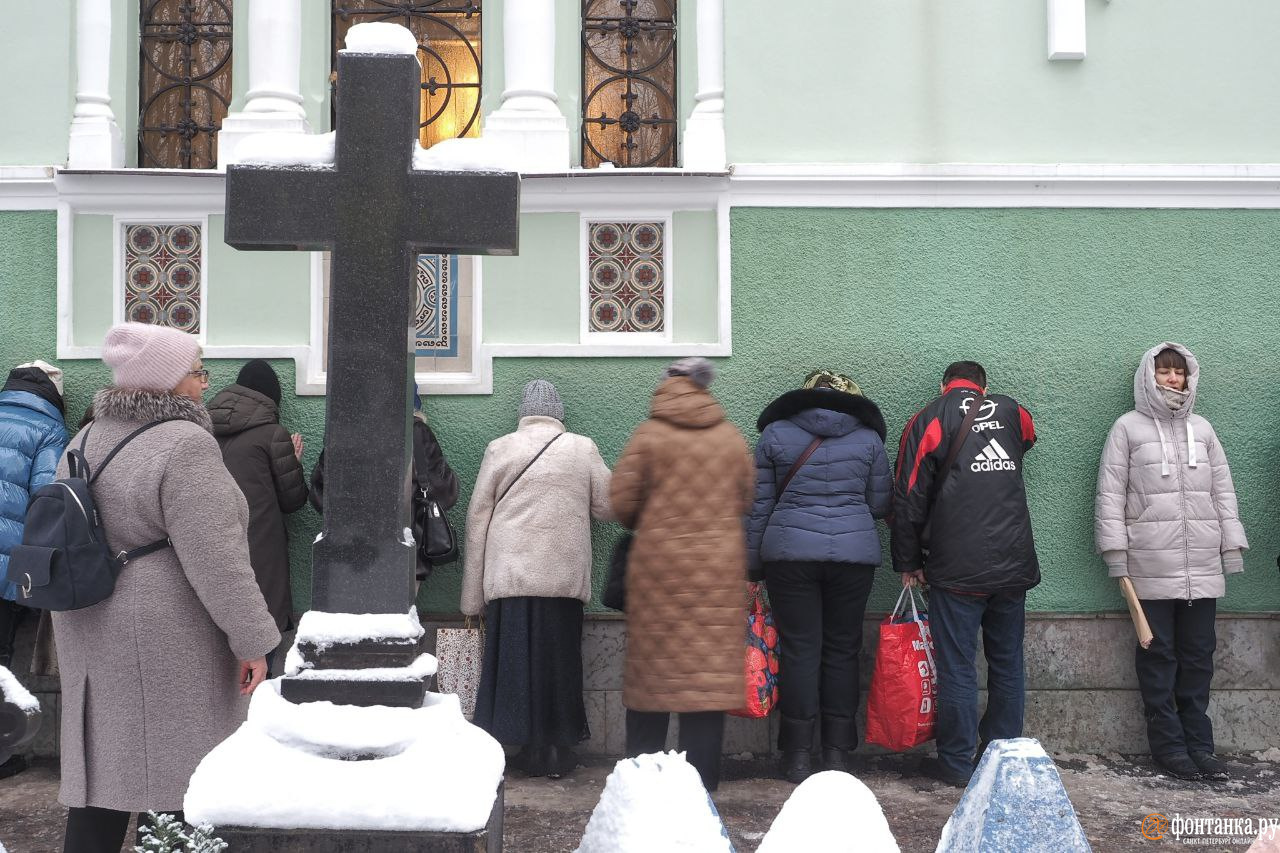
837 381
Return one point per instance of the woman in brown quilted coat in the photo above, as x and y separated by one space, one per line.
683 484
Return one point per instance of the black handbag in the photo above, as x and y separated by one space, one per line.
614 595
437 543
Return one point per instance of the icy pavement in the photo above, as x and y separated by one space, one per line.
1111 795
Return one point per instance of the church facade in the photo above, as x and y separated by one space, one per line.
876 187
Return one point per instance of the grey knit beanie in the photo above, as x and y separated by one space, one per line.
541 398
695 367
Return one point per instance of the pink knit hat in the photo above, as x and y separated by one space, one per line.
147 357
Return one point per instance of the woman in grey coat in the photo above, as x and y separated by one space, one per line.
1165 517
156 675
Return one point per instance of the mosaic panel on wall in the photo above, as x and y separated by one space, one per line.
626 277
162 275
435 319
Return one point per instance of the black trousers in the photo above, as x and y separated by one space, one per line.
818 610
95 830
701 736
1174 674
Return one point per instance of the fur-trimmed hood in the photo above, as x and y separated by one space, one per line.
801 400
136 404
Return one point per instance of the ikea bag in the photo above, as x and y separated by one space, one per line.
902 707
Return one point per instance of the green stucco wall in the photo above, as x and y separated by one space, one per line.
37 44
1057 304
969 81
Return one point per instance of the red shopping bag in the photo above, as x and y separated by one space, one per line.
762 658
903 703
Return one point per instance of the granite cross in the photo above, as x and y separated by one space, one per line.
375 213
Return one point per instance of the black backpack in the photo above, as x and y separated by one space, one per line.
64 562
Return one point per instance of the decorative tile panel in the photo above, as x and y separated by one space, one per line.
626 277
435 319
162 275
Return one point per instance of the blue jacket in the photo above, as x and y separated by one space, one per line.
828 512
32 438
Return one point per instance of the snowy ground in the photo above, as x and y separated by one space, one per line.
1111 794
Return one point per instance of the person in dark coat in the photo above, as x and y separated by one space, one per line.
431 472
33 434
264 459
966 531
815 544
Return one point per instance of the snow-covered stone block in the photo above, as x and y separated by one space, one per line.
19 714
833 812
655 802
1015 802
317 765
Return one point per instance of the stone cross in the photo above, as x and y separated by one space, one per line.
375 213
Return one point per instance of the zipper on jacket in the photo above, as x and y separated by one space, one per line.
1182 497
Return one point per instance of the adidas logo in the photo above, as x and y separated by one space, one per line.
992 458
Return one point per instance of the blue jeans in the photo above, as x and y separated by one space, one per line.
954 620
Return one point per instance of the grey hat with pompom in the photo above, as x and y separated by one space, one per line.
698 369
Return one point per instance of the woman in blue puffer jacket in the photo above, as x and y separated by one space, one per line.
812 537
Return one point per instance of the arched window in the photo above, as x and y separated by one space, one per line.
629 82
185 81
448 33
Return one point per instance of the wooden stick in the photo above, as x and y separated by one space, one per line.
1135 610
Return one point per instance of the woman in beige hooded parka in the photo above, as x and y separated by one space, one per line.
1165 517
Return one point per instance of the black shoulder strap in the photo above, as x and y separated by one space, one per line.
128 438
956 441
526 468
797 465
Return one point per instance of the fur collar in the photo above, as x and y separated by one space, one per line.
133 404
795 402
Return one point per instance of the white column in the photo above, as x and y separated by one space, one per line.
95 140
704 146
529 123
274 100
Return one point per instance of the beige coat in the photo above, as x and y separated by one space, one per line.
684 483
149 675
537 541
1165 513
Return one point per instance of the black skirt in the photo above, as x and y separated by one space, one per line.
531 683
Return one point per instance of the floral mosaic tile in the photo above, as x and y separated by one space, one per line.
626 277
162 275
435 319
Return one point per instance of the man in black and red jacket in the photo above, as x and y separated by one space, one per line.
966 532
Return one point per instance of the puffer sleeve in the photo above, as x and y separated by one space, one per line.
1110 532
628 488
207 520
44 467
479 516
1224 501
286 472
879 494
762 504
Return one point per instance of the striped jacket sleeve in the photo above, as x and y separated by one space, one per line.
913 483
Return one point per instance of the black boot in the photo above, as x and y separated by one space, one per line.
839 735
1211 768
796 742
1179 765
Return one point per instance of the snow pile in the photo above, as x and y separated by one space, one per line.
833 812
464 155
12 691
1271 754
380 37
288 766
1015 802
324 630
286 149
654 802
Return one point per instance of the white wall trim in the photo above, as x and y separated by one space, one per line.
28 188
1005 185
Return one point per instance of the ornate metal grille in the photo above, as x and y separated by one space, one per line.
629 82
185 84
448 33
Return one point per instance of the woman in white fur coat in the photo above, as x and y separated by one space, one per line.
528 567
